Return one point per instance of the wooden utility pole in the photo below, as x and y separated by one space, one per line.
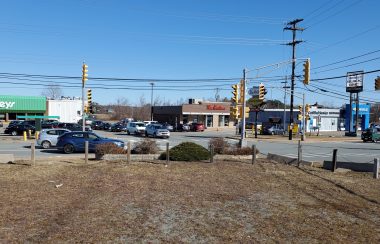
292 25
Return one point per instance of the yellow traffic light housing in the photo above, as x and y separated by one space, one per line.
235 93
306 71
84 74
299 116
300 109
89 100
377 83
262 92
307 108
234 112
242 91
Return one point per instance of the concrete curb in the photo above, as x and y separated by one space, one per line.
6 158
293 161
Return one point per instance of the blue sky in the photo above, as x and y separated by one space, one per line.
195 39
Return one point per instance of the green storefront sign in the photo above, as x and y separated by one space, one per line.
22 104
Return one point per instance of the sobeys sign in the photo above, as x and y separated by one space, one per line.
6 105
22 104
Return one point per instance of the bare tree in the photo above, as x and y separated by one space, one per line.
52 91
121 109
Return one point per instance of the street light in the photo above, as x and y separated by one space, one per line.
151 102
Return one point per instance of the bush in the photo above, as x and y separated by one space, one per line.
187 151
108 148
146 146
219 144
239 151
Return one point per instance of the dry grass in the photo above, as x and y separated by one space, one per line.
186 202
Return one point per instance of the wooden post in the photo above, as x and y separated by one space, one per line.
299 159
129 152
33 153
167 153
333 166
211 153
253 154
376 168
86 151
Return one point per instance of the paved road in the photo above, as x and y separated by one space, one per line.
354 151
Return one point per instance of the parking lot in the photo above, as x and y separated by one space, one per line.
21 149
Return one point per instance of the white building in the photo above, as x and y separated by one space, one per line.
325 118
69 110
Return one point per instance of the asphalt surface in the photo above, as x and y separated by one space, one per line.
314 149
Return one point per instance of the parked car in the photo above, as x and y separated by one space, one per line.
97 125
197 127
366 135
19 129
183 127
118 127
106 126
148 122
74 141
48 137
73 127
136 128
273 130
1 124
15 122
168 126
156 130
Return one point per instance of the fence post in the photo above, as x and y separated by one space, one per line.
167 153
253 154
211 153
299 159
129 152
33 152
376 168
86 152
333 166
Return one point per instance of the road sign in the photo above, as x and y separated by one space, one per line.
254 91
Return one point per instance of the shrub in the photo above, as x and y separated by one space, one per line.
146 146
239 151
187 151
219 144
108 148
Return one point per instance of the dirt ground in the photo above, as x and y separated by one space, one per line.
67 201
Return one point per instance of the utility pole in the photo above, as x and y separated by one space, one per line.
285 89
84 79
151 102
242 136
292 25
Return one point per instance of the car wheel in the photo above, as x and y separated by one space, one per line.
146 134
14 133
46 144
128 132
68 148
154 135
272 133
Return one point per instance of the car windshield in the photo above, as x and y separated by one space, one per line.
157 126
140 124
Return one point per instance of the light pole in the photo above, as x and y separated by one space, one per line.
151 102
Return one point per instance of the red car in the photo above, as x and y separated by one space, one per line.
197 127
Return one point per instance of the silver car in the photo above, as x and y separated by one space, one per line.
48 137
156 130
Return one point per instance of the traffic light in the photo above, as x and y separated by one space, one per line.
300 109
262 92
377 83
85 110
235 92
234 112
247 109
242 91
306 72
307 109
89 100
84 74
299 116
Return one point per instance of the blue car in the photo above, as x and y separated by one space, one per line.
74 141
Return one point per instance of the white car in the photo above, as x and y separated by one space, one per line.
156 130
137 128
148 122
48 137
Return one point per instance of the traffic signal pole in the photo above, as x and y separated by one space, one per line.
242 136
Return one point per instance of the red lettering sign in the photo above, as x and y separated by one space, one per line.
215 107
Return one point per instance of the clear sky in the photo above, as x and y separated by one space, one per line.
185 40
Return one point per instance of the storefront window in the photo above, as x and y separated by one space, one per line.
209 120
226 120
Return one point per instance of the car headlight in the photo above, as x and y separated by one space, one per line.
119 144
